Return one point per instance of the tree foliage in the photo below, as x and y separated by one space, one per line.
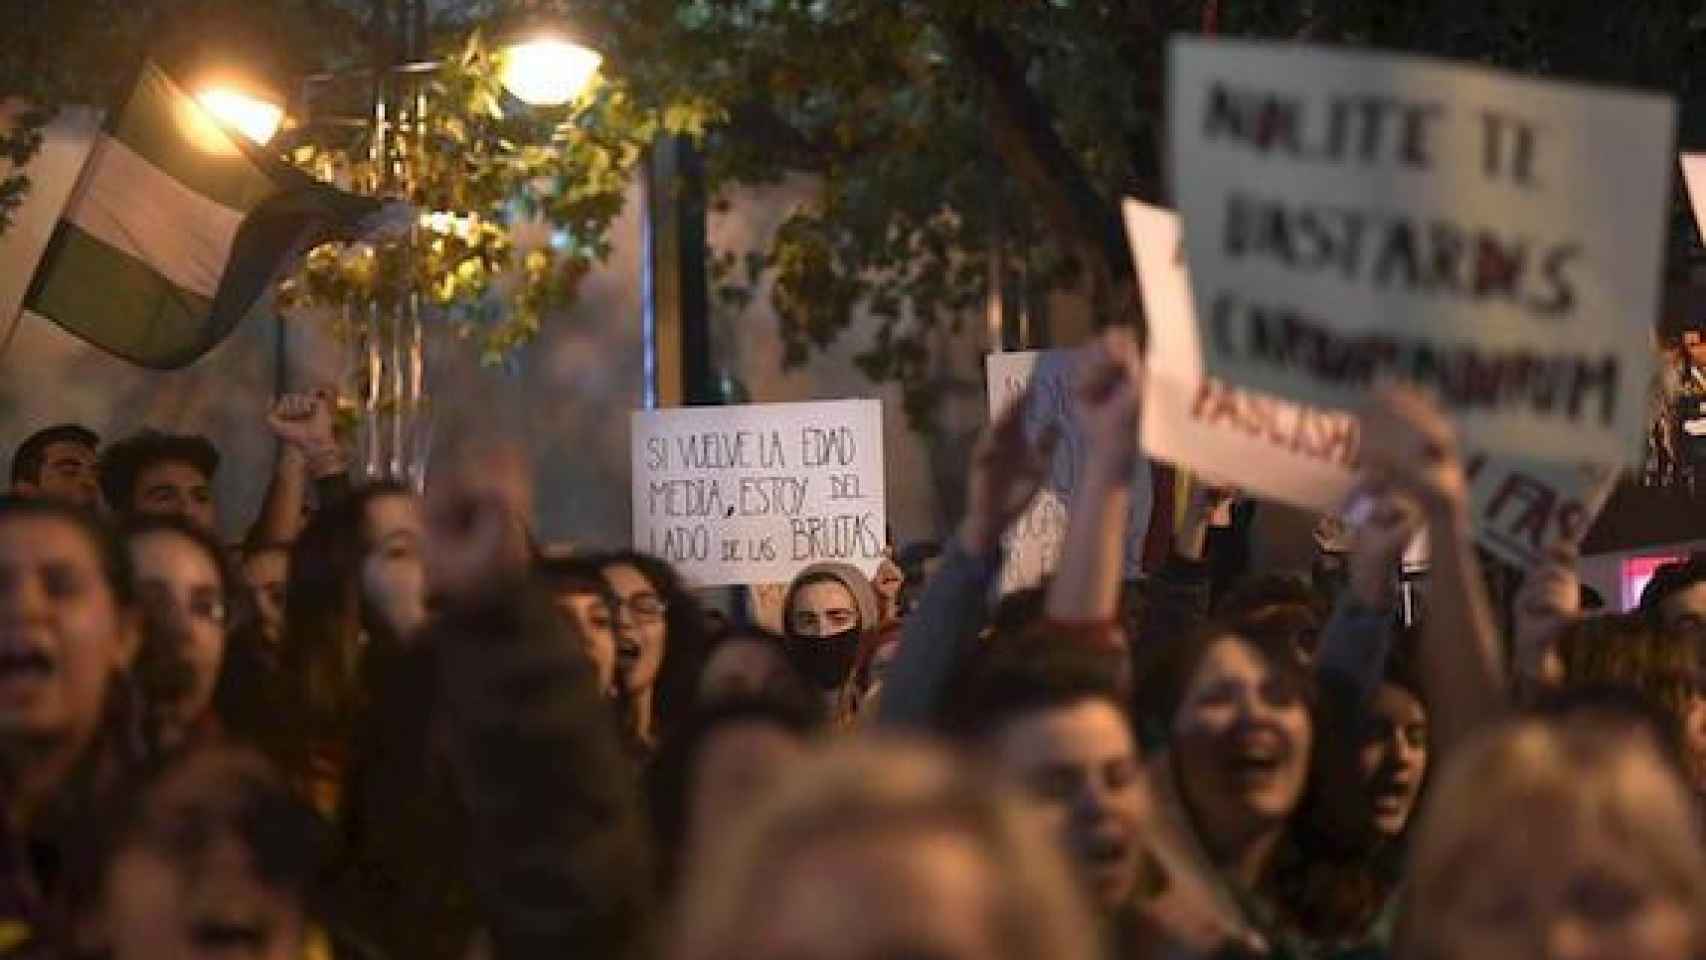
939 132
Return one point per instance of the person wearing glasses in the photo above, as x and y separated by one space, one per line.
660 642
193 679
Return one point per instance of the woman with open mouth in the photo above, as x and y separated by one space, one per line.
69 629
1242 730
660 643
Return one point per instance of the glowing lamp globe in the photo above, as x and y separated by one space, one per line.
253 117
548 70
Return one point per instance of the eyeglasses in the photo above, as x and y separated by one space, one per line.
200 605
645 608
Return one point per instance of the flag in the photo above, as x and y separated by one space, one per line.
175 229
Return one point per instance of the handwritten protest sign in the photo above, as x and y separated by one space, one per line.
1495 238
1033 544
754 494
1694 178
1298 454
1305 455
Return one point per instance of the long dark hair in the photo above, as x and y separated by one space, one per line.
1332 882
685 648
327 615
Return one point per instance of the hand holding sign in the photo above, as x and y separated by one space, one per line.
1377 545
1109 385
1007 470
1408 444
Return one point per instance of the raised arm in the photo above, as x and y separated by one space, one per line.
1358 638
557 851
1086 585
1550 598
1408 444
307 451
1006 472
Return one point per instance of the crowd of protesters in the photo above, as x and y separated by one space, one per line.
392 726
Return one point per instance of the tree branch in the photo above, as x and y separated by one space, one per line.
1028 144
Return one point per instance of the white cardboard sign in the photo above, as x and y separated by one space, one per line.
1496 238
1307 456
1694 178
753 494
1033 544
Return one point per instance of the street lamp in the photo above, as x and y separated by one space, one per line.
548 68
543 63
253 115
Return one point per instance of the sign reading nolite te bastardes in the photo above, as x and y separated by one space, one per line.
1496 238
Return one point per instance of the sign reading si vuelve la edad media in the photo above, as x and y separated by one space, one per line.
753 494
1033 544
1497 239
1306 455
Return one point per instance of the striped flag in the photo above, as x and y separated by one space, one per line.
175 229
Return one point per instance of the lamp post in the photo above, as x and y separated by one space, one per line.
543 64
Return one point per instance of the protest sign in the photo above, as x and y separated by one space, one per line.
1291 452
1304 455
1495 238
1694 178
1033 544
753 494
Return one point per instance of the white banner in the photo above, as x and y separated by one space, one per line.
1494 237
753 494
1033 544
1307 456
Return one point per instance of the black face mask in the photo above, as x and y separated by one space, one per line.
825 662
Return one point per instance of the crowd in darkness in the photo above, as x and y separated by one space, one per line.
390 725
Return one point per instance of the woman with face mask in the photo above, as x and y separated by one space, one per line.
830 607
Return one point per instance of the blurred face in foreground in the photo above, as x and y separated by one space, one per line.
907 893
188 884
62 631
1080 765
1242 737
737 766
1544 889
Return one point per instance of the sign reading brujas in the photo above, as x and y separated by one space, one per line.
754 494
1494 238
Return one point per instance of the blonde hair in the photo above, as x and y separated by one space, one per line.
1577 773
872 790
